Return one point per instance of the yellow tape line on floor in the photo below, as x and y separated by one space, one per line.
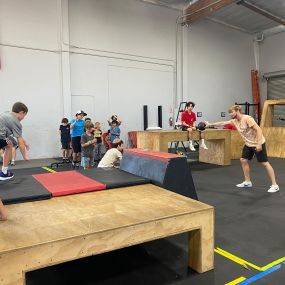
246 263
48 169
273 263
236 281
237 259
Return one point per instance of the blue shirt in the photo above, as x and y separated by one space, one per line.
78 128
113 132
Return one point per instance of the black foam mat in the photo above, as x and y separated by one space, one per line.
22 189
28 171
113 177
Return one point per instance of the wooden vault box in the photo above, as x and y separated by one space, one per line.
274 136
45 233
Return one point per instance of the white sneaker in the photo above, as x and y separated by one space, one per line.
192 148
203 146
244 184
273 189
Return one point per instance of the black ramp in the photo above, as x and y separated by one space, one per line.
22 189
113 177
144 166
178 178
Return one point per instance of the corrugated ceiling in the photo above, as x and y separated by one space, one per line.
239 16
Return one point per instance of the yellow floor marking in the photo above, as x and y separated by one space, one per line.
48 169
236 281
238 259
273 263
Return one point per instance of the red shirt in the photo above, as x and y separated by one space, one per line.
187 118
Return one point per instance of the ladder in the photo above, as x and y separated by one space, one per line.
181 109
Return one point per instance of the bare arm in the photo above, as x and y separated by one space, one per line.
3 212
24 147
73 124
218 123
259 136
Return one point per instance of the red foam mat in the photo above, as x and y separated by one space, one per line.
157 155
68 182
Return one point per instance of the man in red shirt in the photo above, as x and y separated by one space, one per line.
188 121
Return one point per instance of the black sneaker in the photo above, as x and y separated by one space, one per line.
7 176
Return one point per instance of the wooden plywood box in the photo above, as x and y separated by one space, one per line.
274 136
45 233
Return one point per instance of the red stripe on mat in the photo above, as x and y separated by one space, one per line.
68 182
157 155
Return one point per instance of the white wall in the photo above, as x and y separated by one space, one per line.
218 61
129 62
31 75
272 57
116 57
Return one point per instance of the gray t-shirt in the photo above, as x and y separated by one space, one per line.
10 125
87 151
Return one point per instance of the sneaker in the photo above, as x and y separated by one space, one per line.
12 163
203 146
192 148
273 189
7 176
244 184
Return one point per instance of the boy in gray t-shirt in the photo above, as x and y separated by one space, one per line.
87 146
11 136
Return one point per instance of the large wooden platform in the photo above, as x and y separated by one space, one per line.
274 136
218 142
44 233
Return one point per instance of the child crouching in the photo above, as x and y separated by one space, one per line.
113 155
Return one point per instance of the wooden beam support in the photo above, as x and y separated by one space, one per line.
203 8
261 11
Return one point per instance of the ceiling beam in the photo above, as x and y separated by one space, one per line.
203 8
261 11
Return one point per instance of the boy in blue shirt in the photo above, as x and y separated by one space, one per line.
114 131
77 129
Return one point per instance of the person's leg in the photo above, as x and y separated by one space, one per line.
191 146
14 152
245 169
7 156
247 154
270 172
3 212
202 142
262 157
99 151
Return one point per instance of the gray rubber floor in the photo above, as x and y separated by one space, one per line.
248 223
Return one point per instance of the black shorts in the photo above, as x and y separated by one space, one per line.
76 144
65 145
249 152
3 144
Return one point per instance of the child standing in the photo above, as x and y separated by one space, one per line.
77 127
114 131
87 145
98 145
113 155
65 138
